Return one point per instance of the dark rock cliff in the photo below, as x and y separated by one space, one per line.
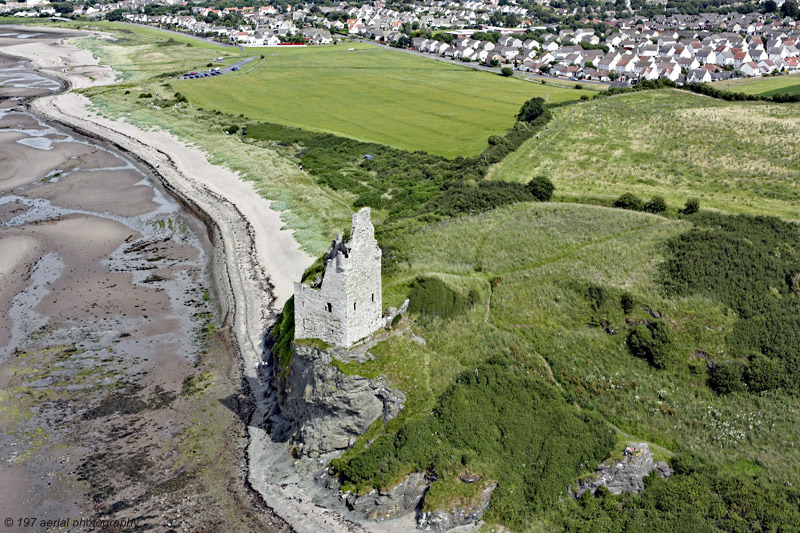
323 410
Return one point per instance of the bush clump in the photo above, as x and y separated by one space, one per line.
627 302
464 198
656 205
727 377
629 201
541 188
433 297
747 263
653 343
532 109
692 206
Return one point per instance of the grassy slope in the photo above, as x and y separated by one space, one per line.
738 157
546 255
763 86
373 94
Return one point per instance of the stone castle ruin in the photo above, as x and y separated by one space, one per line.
344 306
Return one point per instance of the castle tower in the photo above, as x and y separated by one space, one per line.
345 305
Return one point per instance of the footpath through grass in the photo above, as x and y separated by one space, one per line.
376 95
735 156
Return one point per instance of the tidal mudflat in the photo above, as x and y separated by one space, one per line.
112 372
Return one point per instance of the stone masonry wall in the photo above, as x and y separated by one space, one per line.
347 307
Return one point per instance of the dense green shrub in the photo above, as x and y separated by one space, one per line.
433 297
748 264
695 498
627 302
763 374
653 343
597 297
629 201
532 109
692 206
656 205
541 188
463 198
507 72
502 424
727 377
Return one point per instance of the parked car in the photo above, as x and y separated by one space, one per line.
235 69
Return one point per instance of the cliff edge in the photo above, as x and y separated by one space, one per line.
320 409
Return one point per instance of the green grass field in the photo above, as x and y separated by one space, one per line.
373 94
544 257
763 86
737 157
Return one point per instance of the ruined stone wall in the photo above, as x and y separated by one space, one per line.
347 306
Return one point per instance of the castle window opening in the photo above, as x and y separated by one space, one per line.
354 306
330 307
373 297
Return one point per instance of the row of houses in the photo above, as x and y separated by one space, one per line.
263 29
642 52
675 47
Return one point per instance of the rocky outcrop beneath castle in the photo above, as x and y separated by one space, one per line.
400 500
626 475
322 410
460 516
